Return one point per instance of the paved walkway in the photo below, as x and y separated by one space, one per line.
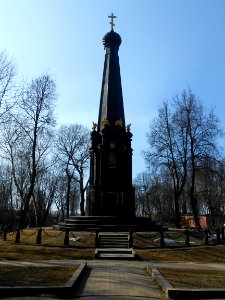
114 280
107 279
119 280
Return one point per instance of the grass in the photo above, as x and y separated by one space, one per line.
35 276
201 254
151 239
82 247
24 252
51 245
194 278
52 237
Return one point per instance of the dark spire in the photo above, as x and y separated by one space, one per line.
111 101
110 183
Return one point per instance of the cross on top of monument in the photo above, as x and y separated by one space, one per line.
112 17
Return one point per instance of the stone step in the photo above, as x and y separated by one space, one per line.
115 256
105 240
114 240
115 250
114 253
105 246
98 220
113 234
109 223
90 226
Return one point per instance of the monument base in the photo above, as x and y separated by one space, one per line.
110 224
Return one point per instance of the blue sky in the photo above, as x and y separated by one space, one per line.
167 46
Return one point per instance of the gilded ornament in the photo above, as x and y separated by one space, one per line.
119 123
128 127
105 122
94 125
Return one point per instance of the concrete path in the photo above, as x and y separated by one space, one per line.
119 280
113 279
106 279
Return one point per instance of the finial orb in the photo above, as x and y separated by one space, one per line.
111 38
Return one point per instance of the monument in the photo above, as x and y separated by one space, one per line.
110 185
110 201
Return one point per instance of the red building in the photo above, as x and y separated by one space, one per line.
206 221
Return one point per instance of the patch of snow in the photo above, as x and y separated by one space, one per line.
171 242
166 241
75 239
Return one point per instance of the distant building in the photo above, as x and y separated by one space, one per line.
206 221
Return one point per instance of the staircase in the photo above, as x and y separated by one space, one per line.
109 223
114 245
113 233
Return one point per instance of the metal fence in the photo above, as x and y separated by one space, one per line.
170 238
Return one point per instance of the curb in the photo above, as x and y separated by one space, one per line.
182 293
66 290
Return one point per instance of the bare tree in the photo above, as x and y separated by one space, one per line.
179 140
7 83
6 201
44 196
168 149
28 137
142 184
72 144
154 196
210 188
61 196
202 128
64 208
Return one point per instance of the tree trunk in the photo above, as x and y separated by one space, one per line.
82 201
194 203
68 197
177 210
82 191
